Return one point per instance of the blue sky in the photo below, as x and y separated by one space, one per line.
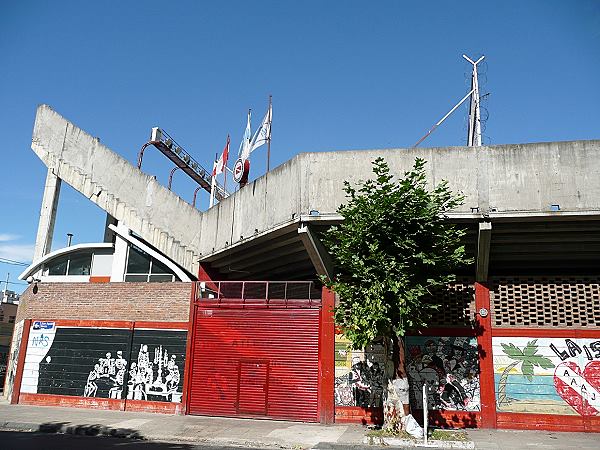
343 75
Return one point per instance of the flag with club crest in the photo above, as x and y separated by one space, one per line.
244 150
263 134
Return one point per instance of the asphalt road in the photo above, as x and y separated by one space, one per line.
13 440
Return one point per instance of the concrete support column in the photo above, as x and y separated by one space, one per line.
43 241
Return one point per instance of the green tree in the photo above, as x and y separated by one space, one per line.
394 247
528 358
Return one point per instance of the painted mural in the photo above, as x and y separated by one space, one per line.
359 374
104 362
547 375
449 366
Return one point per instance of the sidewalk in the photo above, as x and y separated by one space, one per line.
250 433
163 427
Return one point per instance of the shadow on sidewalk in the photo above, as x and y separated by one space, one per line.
88 430
49 440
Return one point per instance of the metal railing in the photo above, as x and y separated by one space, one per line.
259 293
183 160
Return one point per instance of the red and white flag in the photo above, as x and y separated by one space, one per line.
220 165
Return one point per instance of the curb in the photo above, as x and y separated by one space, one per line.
105 431
396 442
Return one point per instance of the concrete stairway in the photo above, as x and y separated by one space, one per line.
115 185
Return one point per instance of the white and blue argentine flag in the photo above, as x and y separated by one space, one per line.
263 134
244 150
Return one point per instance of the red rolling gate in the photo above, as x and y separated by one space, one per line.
256 350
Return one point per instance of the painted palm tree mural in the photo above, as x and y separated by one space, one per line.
528 358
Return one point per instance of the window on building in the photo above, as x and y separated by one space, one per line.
11 319
58 266
142 267
78 263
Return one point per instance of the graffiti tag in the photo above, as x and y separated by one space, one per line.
40 341
573 349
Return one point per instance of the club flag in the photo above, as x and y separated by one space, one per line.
222 162
244 150
263 134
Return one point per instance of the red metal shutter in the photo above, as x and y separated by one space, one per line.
256 363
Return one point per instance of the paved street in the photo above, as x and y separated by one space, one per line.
10 440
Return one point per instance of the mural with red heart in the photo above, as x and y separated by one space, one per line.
579 389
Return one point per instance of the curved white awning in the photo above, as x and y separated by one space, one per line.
36 265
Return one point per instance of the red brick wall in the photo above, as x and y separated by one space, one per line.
161 302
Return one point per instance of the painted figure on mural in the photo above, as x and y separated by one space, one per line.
135 384
107 365
157 379
91 388
360 376
173 375
120 367
449 366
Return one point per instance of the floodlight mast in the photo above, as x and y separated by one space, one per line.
474 131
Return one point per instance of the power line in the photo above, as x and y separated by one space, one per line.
13 262
14 282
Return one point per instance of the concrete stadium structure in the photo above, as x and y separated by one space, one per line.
532 212
535 184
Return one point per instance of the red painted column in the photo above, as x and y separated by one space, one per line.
189 351
20 362
326 358
486 362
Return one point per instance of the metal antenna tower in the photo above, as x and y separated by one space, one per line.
474 131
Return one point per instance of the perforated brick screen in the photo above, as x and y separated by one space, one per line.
566 302
458 304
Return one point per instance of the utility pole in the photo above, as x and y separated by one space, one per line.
474 131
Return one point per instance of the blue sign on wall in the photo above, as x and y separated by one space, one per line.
43 325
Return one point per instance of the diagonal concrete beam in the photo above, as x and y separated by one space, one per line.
316 251
484 239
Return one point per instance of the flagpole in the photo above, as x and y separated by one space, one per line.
225 168
269 143
213 183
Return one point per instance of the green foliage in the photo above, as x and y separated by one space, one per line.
528 356
393 248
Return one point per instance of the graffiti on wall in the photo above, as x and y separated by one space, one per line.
11 365
547 375
359 374
449 366
105 363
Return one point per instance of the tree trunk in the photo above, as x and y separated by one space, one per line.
502 399
396 404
